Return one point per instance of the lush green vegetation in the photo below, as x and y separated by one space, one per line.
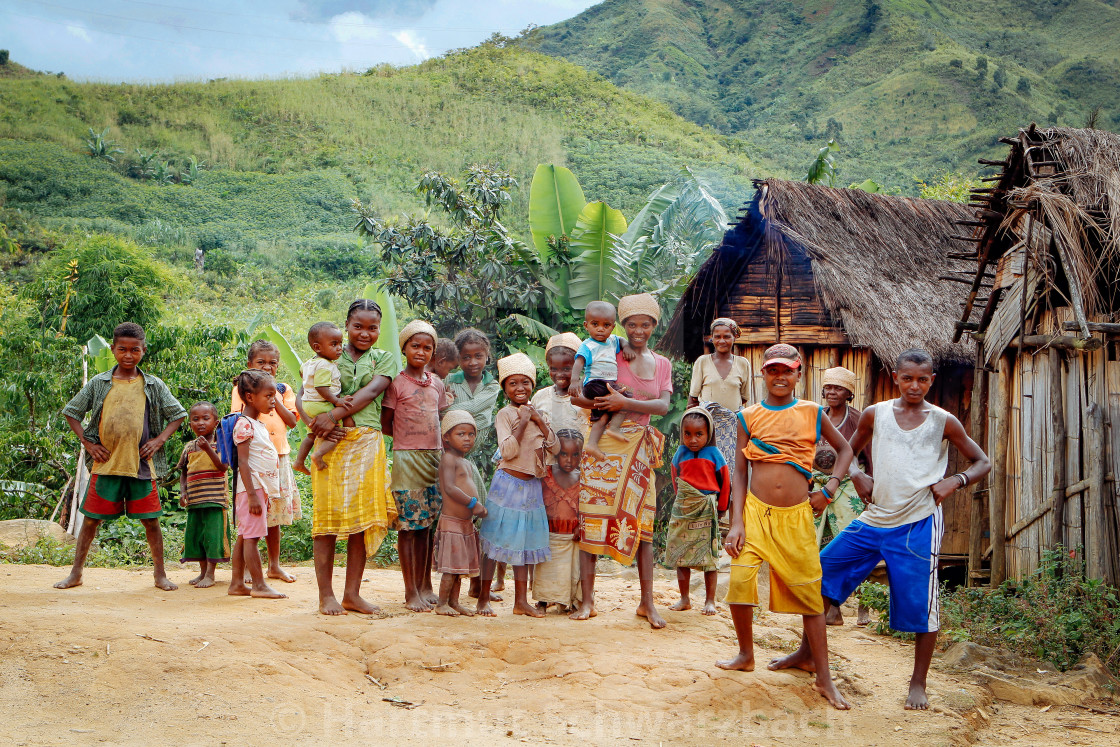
909 87
1055 615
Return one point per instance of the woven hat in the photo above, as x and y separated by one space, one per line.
707 416
781 354
840 376
639 303
564 340
724 321
416 327
518 363
453 418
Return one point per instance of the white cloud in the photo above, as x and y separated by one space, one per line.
414 44
353 26
75 30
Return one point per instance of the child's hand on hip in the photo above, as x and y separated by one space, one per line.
97 451
150 447
944 488
864 486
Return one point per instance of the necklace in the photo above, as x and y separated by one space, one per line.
426 382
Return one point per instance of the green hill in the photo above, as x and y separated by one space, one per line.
285 157
910 87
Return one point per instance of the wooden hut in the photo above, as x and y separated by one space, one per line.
851 279
1042 307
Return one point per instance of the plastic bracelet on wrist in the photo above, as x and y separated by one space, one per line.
827 494
963 479
472 503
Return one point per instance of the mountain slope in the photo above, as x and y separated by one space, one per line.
909 86
286 156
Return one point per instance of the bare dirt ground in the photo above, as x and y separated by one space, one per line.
119 662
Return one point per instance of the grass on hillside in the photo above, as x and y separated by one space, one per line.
895 80
286 156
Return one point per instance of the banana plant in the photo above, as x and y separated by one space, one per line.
593 277
387 340
100 353
555 202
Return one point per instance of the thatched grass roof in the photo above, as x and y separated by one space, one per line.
876 263
1079 200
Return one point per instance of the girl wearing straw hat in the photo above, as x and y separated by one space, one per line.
515 530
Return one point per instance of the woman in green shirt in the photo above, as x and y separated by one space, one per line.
350 492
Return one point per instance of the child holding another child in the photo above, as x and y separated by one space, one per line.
410 414
515 530
456 545
204 492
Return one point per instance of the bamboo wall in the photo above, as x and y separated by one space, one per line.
1090 401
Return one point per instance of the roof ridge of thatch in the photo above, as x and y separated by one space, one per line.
877 261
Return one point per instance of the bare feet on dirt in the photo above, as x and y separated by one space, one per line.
741 663
650 613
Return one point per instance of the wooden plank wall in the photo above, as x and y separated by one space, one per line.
1091 386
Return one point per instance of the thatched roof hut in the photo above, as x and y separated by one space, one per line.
879 268
1043 307
852 279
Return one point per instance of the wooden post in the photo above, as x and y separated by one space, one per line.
977 430
997 483
1058 432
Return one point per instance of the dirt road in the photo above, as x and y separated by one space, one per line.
119 662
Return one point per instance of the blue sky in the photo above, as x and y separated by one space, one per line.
147 40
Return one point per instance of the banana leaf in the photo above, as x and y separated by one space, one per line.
593 277
100 353
387 340
532 327
555 202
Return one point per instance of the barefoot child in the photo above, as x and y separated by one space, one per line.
902 523
515 530
456 543
703 484
322 388
132 414
204 492
285 508
258 477
595 372
772 519
556 581
410 414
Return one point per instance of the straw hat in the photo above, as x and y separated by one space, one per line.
724 321
639 303
453 418
564 340
840 376
416 327
781 354
518 363
707 416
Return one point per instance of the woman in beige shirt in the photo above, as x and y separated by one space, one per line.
722 384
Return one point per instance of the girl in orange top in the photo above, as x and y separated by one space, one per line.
284 508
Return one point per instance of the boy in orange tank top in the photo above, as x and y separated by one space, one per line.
772 520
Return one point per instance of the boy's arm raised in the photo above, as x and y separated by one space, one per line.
970 450
204 444
844 454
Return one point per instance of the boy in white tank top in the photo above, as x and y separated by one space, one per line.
902 523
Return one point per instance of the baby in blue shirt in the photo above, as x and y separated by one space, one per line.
595 371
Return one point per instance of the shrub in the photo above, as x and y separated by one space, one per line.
1023 88
4 56
1055 614
91 284
956 63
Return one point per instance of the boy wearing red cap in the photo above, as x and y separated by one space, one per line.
772 518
